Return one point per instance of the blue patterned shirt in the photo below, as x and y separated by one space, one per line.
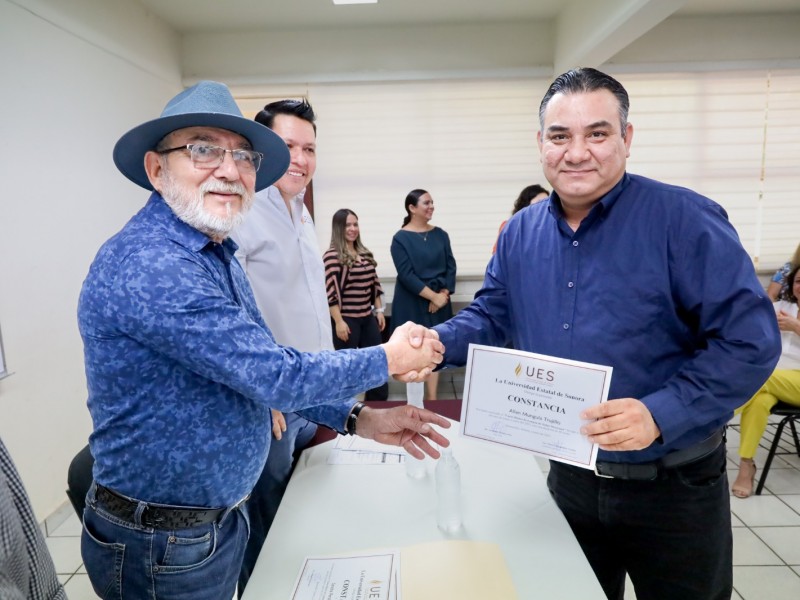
781 276
182 370
654 283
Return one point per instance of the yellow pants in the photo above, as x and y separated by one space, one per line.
783 385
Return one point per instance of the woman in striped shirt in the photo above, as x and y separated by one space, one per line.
354 291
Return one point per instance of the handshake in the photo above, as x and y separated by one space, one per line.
413 352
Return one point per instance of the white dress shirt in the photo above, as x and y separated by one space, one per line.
281 256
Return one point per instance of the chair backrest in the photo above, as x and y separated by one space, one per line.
79 479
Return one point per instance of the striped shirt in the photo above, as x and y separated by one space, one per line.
361 286
26 569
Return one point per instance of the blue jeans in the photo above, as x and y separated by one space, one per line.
671 535
127 560
268 491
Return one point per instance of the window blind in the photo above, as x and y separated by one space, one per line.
732 136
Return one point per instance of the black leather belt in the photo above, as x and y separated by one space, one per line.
154 515
649 471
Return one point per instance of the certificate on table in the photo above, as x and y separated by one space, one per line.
532 402
352 577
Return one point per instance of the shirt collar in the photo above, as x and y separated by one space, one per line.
180 232
605 203
275 196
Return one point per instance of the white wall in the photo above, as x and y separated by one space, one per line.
75 76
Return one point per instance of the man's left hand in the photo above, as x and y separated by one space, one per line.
621 424
278 423
405 426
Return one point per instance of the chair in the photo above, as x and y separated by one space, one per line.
790 414
79 479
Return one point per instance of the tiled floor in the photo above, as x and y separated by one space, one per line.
766 535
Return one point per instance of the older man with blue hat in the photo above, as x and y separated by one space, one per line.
182 370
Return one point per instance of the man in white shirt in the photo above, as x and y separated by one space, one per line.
279 251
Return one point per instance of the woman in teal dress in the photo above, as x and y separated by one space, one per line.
426 271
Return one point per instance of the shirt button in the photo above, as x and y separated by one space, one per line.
570 284
575 243
566 325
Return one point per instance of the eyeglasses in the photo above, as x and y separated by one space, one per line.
205 156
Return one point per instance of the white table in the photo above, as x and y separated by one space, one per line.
330 509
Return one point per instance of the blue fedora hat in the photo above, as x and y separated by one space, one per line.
205 104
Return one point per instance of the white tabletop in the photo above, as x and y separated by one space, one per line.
331 509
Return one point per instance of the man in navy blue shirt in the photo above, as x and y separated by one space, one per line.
651 279
182 370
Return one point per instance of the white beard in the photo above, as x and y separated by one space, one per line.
188 206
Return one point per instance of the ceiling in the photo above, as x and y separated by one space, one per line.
192 16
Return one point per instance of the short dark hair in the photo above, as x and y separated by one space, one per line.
295 108
526 195
789 293
583 80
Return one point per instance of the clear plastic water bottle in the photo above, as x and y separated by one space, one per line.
415 468
448 490
414 393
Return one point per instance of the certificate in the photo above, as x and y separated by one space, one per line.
532 402
367 576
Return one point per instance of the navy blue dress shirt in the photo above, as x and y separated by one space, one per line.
654 283
182 370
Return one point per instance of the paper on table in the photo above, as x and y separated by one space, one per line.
356 443
347 457
349 577
455 569
354 450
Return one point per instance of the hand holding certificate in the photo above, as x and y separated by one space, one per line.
532 402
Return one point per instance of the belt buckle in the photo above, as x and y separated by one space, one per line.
599 474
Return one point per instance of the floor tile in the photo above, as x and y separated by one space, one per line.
783 541
766 583
748 549
792 460
79 588
71 527
629 593
736 596
54 520
762 511
735 521
66 553
783 481
792 500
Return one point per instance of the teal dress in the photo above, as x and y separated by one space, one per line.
421 259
